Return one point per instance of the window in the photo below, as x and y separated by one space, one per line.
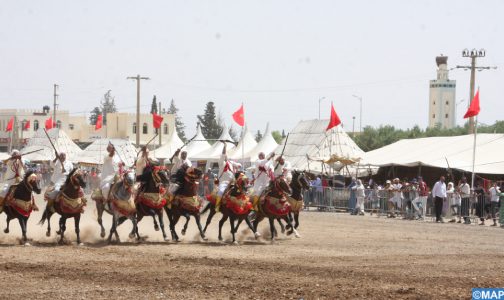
165 128
446 116
35 125
134 128
71 126
447 103
58 124
433 116
434 103
23 125
145 128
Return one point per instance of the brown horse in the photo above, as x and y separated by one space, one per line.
121 205
185 202
273 205
19 202
298 185
69 203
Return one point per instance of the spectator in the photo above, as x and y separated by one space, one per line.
353 200
465 196
360 195
420 203
439 194
374 198
494 201
456 205
448 202
479 193
396 200
501 211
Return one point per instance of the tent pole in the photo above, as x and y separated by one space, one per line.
474 150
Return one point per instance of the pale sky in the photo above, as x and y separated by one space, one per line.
277 57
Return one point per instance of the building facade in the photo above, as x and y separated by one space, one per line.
442 104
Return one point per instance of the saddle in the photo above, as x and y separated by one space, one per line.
190 203
275 206
296 205
70 205
239 205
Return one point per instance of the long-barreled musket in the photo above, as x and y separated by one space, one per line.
227 141
150 141
11 158
56 151
281 154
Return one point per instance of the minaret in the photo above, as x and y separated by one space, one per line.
442 97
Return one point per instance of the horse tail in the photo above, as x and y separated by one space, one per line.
44 217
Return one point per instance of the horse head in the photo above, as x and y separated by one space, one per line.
241 183
32 182
160 175
128 179
299 180
76 179
281 186
193 175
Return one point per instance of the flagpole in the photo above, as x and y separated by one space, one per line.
243 148
474 150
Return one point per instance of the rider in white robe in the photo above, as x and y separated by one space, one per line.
109 170
178 162
59 176
14 173
227 169
283 167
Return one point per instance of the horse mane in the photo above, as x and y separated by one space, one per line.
70 175
28 173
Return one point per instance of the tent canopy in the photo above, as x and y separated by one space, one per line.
457 151
310 147
216 150
267 145
168 149
198 145
95 152
246 144
61 141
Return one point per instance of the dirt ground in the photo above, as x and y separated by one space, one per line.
338 256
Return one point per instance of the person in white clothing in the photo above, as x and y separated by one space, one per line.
439 194
494 201
283 168
262 169
109 170
179 162
227 169
142 162
465 195
360 195
61 168
14 173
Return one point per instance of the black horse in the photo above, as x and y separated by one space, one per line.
185 202
151 200
19 202
298 185
69 203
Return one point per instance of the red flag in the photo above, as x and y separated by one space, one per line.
156 120
27 125
474 108
239 116
10 125
335 120
49 123
99 122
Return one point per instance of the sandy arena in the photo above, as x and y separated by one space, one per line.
338 256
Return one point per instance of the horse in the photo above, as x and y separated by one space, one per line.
273 205
150 200
236 205
19 202
185 202
298 185
121 205
69 203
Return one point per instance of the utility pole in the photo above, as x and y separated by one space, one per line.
353 126
473 54
360 112
55 105
320 100
138 78
160 127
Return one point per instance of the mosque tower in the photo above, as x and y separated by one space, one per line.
442 105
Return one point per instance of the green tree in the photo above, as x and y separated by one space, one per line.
283 134
107 105
208 120
179 125
154 109
94 115
258 136
277 136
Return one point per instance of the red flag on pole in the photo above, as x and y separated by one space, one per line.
239 116
156 120
49 123
10 125
474 108
99 122
335 120
27 125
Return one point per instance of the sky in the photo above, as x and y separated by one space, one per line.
280 58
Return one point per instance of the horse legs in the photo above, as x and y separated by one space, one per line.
135 227
198 222
291 228
156 226
296 220
249 225
282 227
77 228
112 228
9 218
175 218
161 223
209 218
233 229
100 207
272 228
188 217
62 228
221 222
22 223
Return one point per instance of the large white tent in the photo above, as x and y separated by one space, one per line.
94 153
197 145
310 147
267 145
215 151
457 151
166 151
61 141
246 143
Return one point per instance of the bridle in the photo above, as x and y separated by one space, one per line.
73 178
277 185
240 182
28 182
155 174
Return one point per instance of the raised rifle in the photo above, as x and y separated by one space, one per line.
55 151
283 150
10 158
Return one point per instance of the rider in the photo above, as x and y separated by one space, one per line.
262 176
283 168
227 169
110 168
178 162
59 175
14 173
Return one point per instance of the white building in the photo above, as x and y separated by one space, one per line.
442 104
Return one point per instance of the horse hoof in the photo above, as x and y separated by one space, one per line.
289 232
6 230
235 243
204 238
166 239
257 235
80 244
48 233
27 244
156 228
58 232
183 231
283 230
297 235
220 238
132 236
102 234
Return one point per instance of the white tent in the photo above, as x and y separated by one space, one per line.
246 144
436 151
198 145
267 145
94 153
166 151
61 141
216 150
310 147
4 155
